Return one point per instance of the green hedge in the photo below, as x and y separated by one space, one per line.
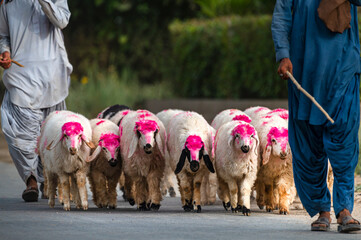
229 57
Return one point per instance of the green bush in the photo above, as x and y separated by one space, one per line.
97 90
228 57
214 8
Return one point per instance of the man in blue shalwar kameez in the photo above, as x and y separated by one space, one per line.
327 65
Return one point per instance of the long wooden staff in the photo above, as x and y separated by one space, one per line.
13 61
309 96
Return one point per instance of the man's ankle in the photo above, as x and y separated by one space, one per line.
31 182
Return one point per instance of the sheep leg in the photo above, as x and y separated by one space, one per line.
244 198
154 177
284 198
212 195
276 197
128 189
65 185
185 184
170 183
197 185
233 190
141 193
52 181
74 193
112 192
204 189
46 184
99 187
81 181
60 194
122 185
260 190
223 193
269 197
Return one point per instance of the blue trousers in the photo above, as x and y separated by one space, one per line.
313 145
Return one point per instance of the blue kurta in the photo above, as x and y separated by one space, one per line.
323 62
327 65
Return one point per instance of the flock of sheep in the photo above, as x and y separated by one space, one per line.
240 154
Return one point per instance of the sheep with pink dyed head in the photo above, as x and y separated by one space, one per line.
142 144
274 184
236 160
64 146
190 137
115 113
229 115
169 180
105 166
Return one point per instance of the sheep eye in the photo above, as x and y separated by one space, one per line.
104 149
273 140
156 131
252 136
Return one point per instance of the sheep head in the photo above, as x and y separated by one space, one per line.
194 151
146 131
109 145
244 137
277 144
72 138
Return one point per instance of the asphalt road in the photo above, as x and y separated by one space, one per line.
20 220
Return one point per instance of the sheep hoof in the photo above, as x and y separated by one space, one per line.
188 208
234 210
268 209
199 209
226 205
172 192
112 206
154 207
131 201
246 211
143 207
276 207
283 211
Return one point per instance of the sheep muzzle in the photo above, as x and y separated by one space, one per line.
72 150
113 162
194 165
245 148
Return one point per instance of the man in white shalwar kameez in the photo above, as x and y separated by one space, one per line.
30 33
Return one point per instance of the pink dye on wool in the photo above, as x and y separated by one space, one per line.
243 118
283 115
72 129
194 144
267 116
278 110
146 127
281 136
232 111
245 132
125 112
110 141
260 109
100 122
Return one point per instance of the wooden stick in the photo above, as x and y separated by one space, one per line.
310 97
20 65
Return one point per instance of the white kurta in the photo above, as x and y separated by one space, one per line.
31 31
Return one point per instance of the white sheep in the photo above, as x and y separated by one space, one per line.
105 168
236 160
190 137
229 115
274 184
142 140
168 181
64 146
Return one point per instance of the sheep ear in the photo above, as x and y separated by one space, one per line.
257 145
266 155
132 146
51 145
208 163
94 154
160 140
181 161
88 143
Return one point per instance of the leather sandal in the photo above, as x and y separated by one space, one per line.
323 224
347 227
30 194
